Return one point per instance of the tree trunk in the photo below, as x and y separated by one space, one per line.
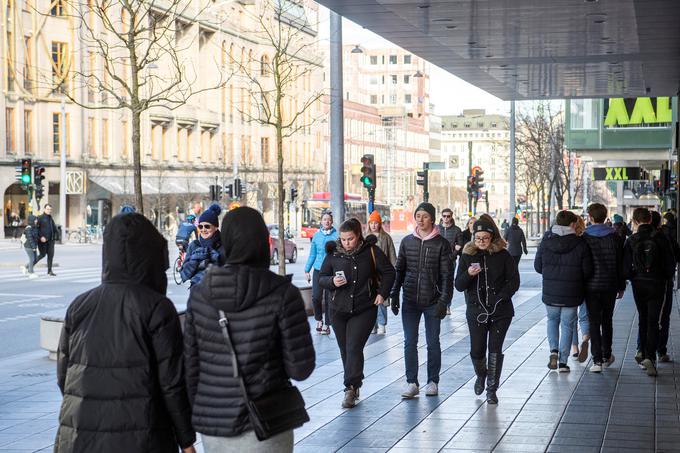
281 200
137 160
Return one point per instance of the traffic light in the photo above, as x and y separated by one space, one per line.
293 194
24 173
215 192
471 184
239 188
423 180
38 177
480 179
368 171
229 191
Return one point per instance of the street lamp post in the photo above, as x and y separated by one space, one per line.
337 183
62 169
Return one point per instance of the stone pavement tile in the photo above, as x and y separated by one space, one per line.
31 426
362 450
625 450
507 447
34 442
586 441
571 449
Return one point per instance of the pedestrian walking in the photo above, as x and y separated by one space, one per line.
317 253
206 250
582 321
606 284
450 232
425 272
48 234
517 241
386 244
669 229
359 276
565 261
30 240
119 365
488 275
648 262
466 235
246 336
620 227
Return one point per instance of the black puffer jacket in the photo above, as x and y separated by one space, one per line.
499 276
450 234
268 325
424 270
517 242
566 263
120 354
606 247
663 268
365 279
671 233
47 228
31 234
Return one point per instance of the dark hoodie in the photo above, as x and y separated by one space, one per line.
267 323
606 247
120 354
566 263
663 267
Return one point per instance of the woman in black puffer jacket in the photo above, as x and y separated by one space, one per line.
359 277
488 275
268 326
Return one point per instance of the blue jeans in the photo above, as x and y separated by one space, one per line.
382 316
583 321
410 318
560 326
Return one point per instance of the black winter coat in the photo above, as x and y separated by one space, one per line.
607 253
663 269
424 270
269 328
120 365
365 279
451 234
499 279
47 228
32 239
198 258
671 234
566 264
517 242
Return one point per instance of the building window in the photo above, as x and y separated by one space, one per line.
28 131
91 137
407 98
264 150
382 80
393 99
56 134
124 150
245 149
105 138
60 66
583 114
394 79
407 79
374 99
28 63
10 62
393 59
494 125
467 125
9 128
373 80
264 66
480 124
58 8
407 59
374 59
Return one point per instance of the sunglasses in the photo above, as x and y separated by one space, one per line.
447 216
204 226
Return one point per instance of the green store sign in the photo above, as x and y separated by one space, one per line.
617 174
637 111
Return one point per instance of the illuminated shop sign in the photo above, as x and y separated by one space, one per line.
637 112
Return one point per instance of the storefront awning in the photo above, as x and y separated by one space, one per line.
152 185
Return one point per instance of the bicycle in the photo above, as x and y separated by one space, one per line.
178 263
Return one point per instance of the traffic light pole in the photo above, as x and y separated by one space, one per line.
371 201
62 170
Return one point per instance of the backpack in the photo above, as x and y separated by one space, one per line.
646 255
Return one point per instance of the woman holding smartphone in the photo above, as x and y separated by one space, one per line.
359 277
488 275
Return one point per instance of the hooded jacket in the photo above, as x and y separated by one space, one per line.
566 263
451 234
119 363
365 278
317 249
663 268
606 247
31 234
517 241
491 290
199 257
424 271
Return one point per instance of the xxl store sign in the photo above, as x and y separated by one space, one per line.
637 112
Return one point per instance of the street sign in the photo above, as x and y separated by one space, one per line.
436 165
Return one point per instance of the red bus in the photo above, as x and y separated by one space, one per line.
314 207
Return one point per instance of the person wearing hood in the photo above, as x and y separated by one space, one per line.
669 229
317 253
606 284
620 227
268 326
565 261
517 241
386 244
30 240
425 272
488 275
359 277
119 362
205 250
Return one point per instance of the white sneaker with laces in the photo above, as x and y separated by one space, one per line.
431 389
375 330
381 330
596 368
32 275
410 391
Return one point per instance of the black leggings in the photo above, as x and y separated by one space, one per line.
489 335
352 332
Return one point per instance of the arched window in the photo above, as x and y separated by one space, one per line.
264 66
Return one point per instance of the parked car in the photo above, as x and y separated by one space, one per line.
290 247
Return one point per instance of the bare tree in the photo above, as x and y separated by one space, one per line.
131 38
279 78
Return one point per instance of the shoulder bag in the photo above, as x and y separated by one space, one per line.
274 412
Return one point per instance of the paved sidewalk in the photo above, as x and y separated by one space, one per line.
620 410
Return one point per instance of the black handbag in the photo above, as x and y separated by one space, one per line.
274 412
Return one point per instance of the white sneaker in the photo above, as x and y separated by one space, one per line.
375 329
381 330
431 389
32 275
410 391
596 368
23 270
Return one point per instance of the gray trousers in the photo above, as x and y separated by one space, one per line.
248 443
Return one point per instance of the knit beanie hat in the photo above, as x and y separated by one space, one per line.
483 226
375 217
427 207
211 215
617 218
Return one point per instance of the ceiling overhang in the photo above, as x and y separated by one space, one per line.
532 49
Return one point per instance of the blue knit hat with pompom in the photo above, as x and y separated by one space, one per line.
211 215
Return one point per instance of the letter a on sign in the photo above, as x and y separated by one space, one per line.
643 112
617 113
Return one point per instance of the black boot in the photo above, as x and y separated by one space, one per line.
493 377
480 371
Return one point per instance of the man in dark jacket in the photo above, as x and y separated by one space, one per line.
517 242
425 271
450 232
565 261
669 229
605 285
120 354
648 262
47 234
